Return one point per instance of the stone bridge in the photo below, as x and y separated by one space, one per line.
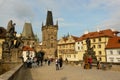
68 72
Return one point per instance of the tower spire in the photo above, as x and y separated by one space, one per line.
28 31
49 19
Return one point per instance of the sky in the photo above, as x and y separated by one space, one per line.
74 16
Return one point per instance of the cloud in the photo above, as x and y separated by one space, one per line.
17 10
113 13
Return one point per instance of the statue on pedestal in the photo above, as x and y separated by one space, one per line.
11 43
89 56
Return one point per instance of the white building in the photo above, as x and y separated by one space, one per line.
113 50
28 52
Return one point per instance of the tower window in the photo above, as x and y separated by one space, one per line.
51 44
51 37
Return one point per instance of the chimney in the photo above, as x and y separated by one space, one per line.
49 19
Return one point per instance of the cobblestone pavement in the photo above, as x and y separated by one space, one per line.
69 72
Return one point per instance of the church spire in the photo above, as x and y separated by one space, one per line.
49 19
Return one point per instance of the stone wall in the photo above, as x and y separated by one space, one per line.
10 75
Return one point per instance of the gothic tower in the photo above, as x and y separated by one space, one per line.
28 35
49 36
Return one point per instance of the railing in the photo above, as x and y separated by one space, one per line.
11 75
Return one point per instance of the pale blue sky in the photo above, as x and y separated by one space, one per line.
74 16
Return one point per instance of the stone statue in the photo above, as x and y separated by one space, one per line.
18 43
88 43
11 29
89 52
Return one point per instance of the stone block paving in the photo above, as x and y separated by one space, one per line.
69 72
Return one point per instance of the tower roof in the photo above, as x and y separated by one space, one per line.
49 19
27 31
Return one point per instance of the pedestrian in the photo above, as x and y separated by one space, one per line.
49 62
98 64
45 60
60 62
34 64
66 60
90 62
57 63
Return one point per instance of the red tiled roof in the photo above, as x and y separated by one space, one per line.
75 38
113 43
27 48
102 33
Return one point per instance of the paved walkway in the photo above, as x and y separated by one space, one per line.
71 73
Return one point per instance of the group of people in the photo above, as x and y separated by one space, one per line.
34 62
87 62
31 62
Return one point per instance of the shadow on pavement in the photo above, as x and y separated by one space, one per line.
23 74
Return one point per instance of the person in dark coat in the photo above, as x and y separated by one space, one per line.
60 62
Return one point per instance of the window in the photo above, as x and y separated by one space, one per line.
51 44
93 40
81 42
100 52
51 37
81 47
78 48
100 59
68 56
74 56
118 52
99 39
111 60
93 46
111 52
99 46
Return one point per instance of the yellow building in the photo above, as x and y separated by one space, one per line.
2 39
66 48
99 40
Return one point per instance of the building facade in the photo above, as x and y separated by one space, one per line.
113 50
66 48
49 36
99 40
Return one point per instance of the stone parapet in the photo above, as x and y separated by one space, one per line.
11 74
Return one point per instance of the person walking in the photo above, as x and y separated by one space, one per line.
90 62
60 62
49 62
57 63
